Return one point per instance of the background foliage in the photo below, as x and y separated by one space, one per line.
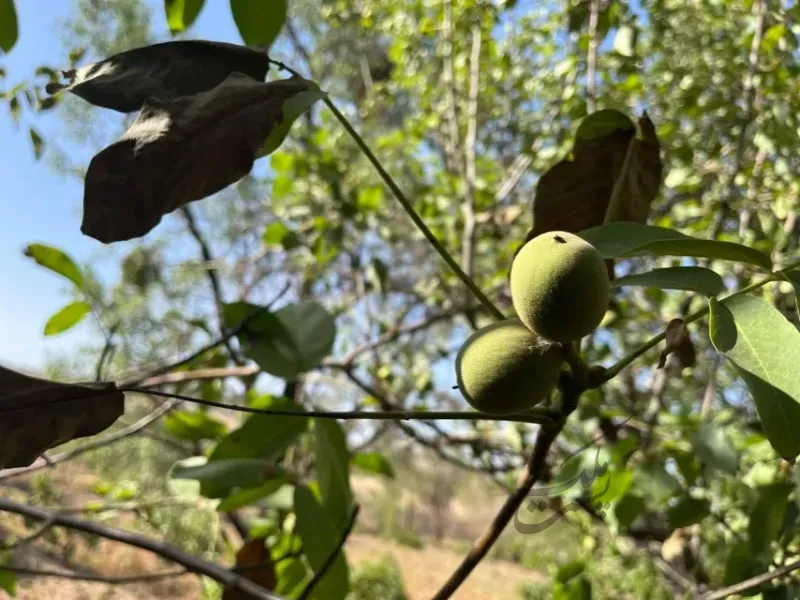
467 104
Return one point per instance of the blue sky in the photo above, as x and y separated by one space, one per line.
37 204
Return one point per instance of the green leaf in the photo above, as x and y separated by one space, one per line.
259 21
603 123
293 107
181 14
625 40
570 570
574 588
290 341
652 479
693 279
220 477
320 539
55 260
622 239
333 470
66 318
611 486
250 496
36 141
688 511
8 25
8 582
263 436
713 447
742 564
764 349
194 425
627 509
292 574
794 279
373 462
766 518
278 234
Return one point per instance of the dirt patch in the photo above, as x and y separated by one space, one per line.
425 570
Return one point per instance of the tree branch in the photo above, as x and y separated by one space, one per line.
749 584
97 578
470 172
191 563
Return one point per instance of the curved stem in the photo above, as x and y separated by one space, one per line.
401 197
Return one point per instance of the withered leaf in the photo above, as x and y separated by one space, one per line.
124 82
186 149
679 342
250 554
36 414
574 194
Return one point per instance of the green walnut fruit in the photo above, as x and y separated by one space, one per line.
559 286
504 368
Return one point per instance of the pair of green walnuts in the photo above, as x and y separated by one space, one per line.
560 291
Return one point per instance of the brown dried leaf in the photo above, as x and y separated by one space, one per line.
36 414
186 149
574 194
252 552
679 342
125 81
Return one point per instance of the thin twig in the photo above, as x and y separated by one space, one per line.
541 416
213 279
191 563
449 86
306 593
35 535
753 582
124 580
99 442
591 57
207 348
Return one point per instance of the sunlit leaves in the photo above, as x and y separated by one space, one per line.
764 349
66 318
55 260
373 462
259 21
181 14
